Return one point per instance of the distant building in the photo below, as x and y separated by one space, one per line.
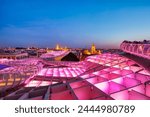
14 55
92 50
58 47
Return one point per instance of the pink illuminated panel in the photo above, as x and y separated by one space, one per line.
45 83
61 72
134 95
78 84
122 95
145 72
64 95
96 80
87 92
142 78
115 87
140 88
59 88
147 88
104 86
33 83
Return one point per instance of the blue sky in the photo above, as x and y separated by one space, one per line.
73 23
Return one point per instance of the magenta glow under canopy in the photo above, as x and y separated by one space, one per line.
98 77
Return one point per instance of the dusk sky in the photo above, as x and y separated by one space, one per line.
73 23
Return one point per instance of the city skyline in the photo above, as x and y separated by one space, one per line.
73 23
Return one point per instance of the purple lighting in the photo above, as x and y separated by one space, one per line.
140 49
98 77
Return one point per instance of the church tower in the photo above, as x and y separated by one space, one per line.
93 49
57 47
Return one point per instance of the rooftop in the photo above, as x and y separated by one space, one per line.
106 76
